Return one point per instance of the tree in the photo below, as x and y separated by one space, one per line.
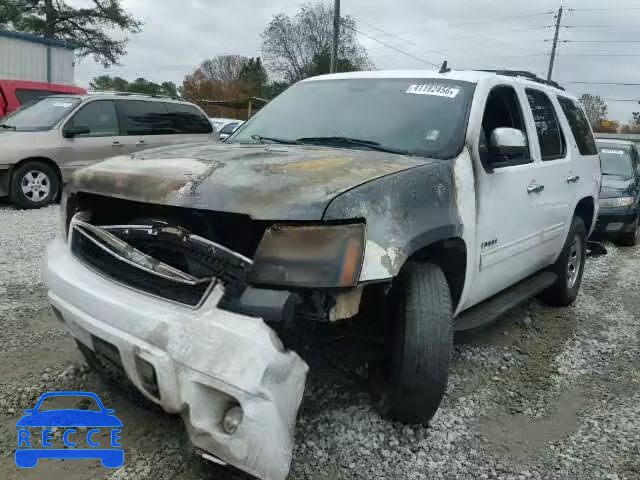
88 29
297 46
595 107
636 119
139 85
607 126
254 76
223 68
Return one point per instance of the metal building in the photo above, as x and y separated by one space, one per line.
27 57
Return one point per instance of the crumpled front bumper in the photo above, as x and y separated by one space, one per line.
206 360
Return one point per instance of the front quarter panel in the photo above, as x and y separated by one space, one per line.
404 212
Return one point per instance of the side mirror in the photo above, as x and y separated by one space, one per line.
508 142
74 130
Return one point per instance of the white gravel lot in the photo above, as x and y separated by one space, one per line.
545 393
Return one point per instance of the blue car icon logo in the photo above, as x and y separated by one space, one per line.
31 448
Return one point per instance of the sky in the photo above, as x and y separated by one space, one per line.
599 40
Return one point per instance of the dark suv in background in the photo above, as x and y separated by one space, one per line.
619 218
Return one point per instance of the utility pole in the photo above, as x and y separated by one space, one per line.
555 44
336 36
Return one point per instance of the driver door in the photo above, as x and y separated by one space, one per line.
508 213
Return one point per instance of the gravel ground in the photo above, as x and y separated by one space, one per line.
544 393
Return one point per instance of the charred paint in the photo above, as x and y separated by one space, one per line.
264 182
404 212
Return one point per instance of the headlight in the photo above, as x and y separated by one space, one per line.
615 202
321 256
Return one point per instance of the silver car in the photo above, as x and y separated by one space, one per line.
43 143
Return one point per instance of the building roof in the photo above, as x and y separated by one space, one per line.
27 37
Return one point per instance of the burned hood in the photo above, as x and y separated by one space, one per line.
263 181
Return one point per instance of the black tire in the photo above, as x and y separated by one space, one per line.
42 177
631 239
409 386
569 267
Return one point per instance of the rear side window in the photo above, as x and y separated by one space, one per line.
140 117
26 96
100 116
187 119
550 137
579 126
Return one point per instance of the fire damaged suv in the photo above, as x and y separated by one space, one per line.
413 203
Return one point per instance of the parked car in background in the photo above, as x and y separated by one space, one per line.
43 143
226 131
15 93
219 122
415 202
619 218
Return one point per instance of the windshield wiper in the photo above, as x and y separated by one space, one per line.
353 142
261 139
7 126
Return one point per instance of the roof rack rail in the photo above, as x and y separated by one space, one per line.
524 74
131 94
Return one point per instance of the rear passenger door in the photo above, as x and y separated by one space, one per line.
144 123
553 170
585 177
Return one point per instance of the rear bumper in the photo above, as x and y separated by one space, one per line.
205 360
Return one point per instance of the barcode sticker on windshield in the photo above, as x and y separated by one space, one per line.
435 89
614 152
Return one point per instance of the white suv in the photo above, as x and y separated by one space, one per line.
416 202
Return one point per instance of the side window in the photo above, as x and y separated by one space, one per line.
552 142
187 119
502 110
579 126
100 116
140 117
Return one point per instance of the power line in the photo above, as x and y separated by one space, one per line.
394 48
600 41
603 9
622 84
481 22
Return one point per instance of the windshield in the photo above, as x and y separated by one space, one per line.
616 160
69 402
425 117
43 114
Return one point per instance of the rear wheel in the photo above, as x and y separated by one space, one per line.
569 267
410 384
631 239
34 184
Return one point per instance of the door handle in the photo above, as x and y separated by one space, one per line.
117 144
573 179
533 188
140 142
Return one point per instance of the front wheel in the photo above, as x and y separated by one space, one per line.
34 184
569 267
409 385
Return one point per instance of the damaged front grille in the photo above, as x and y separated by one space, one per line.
159 259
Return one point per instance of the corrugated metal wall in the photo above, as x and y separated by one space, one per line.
22 60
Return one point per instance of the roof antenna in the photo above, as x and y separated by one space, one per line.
444 68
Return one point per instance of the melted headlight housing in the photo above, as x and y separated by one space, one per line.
312 256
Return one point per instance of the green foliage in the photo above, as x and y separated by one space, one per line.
89 29
139 85
254 76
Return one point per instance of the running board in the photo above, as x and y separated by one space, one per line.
492 308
